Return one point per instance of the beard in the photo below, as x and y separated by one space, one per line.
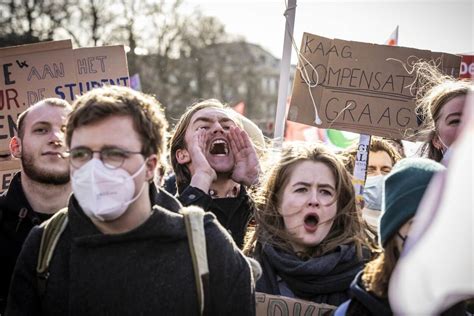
37 174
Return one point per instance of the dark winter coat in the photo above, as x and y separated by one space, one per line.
233 213
146 271
17 218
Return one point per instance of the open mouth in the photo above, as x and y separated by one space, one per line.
219 147
311 221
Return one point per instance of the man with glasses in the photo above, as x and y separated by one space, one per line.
382 157
121 251
41 188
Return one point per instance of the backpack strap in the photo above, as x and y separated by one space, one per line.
53 229
194 222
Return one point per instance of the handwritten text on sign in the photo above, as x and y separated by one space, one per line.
8 168
30 73
359 87
273 305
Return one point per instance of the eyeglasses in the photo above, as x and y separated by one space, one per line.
112 158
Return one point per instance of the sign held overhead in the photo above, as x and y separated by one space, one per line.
360 87
33 72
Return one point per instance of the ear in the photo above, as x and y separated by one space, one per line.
182 156
436 143
15 147
150 166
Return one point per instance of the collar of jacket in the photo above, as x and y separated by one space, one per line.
376 305
14 200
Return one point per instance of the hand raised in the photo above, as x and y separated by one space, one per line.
247 165
202 174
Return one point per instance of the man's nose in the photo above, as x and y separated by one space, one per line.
56 137
217 128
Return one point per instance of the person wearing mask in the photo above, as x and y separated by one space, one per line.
403 191
382 157
310 239
40 188
215 162
440 102
121 252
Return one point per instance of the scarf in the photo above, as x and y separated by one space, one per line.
324 279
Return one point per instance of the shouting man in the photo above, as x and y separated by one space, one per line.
214 161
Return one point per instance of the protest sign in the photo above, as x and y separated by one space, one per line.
360 87
7 169
30 73
96 67
467 66
267 304
34 72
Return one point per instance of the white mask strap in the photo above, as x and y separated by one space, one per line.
143 186
139 169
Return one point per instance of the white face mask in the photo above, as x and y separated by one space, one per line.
373 192
104 193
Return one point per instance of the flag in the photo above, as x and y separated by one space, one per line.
393 39
333 138
300 132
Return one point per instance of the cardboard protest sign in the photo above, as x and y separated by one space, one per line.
96 67
267 304
53 69
30 73
360 87
8 168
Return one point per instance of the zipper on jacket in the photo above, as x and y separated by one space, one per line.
21 216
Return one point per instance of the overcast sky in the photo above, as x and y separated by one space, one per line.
437 25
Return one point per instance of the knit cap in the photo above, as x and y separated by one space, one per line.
403 190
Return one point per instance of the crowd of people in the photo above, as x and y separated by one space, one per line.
96 222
